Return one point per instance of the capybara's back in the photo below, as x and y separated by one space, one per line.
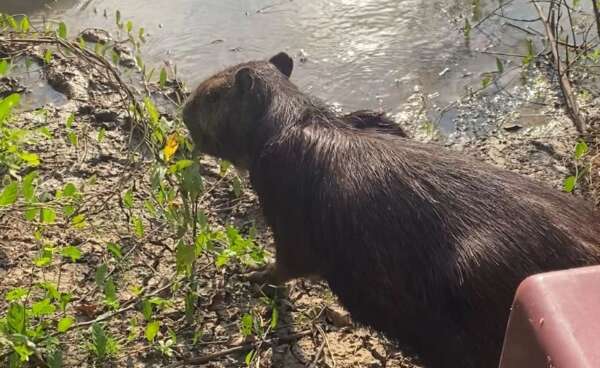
416 241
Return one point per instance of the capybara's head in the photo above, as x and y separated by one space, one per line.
223 112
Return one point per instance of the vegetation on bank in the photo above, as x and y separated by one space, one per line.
162 192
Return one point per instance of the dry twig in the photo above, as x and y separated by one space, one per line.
565 83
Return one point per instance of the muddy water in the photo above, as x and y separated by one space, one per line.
358 53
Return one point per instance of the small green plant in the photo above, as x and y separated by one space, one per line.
102 344
467 28
570 183
530 55
13 140
37 317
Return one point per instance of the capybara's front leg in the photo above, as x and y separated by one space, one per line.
268 275
290 263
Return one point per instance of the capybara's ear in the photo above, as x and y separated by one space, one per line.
283 62
244 80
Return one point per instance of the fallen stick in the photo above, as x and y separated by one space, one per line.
236 349
565 83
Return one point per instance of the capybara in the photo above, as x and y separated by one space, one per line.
419 242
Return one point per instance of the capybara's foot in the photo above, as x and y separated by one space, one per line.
264 276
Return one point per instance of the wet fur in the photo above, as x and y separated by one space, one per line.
416 241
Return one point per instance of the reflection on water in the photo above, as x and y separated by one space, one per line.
360 53
34 6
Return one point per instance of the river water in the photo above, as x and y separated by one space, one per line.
358 53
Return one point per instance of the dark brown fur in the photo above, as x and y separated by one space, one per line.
417 241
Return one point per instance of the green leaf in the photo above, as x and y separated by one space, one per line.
42 308
25 25
16 294
581 148
528 59
152 330
23 352
99 340
4 67
45 132
47 216
65 323
151 110
467 28
78 222
147 309
486 81
236 184
64 299
569 184
192 180
128 199
100 275
163 78
136 290
69 210
45 257
180 165
118 18
141 34
55 359
71 252
274 318
7 104
133 330
11 21
191 299
246 325
115 250
249 357
499 65
28 187
115 57
139 61
73 138
70 121
222 258
129 26
81 43
31 159
224 166
16 318
101 135
138 227
110 294
62 30
185 256
51 289
69 190
9 194
48 56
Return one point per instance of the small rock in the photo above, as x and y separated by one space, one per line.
96 35
338 316
105 116
126 57
511 126
9 86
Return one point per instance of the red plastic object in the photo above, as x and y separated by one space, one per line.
555 321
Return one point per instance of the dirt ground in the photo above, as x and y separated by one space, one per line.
313 330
